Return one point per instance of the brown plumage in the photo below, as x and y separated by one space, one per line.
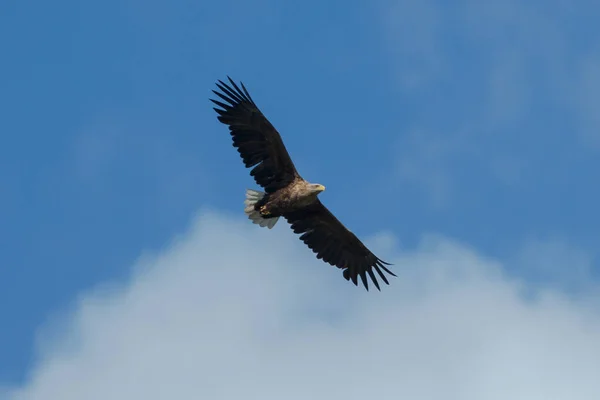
286 194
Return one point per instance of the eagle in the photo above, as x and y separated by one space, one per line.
286 194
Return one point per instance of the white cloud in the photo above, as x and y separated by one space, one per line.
508 68
112 150
412 31
230 311
587 96
555 261
423 157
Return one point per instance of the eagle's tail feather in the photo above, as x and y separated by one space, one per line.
253 197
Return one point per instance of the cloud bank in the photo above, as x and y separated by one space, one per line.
230 311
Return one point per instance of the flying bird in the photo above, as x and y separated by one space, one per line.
286 194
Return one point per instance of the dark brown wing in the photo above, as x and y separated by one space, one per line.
331 241
257 141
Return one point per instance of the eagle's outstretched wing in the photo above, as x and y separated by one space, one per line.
257 141
331 241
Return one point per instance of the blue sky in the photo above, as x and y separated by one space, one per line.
468 120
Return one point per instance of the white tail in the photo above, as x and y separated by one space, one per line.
252 197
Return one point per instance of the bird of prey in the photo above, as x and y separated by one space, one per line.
286 194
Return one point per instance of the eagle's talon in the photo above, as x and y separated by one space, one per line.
263 210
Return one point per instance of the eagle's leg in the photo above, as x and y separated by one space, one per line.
264 211
256 209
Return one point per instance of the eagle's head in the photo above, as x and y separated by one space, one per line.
316 188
